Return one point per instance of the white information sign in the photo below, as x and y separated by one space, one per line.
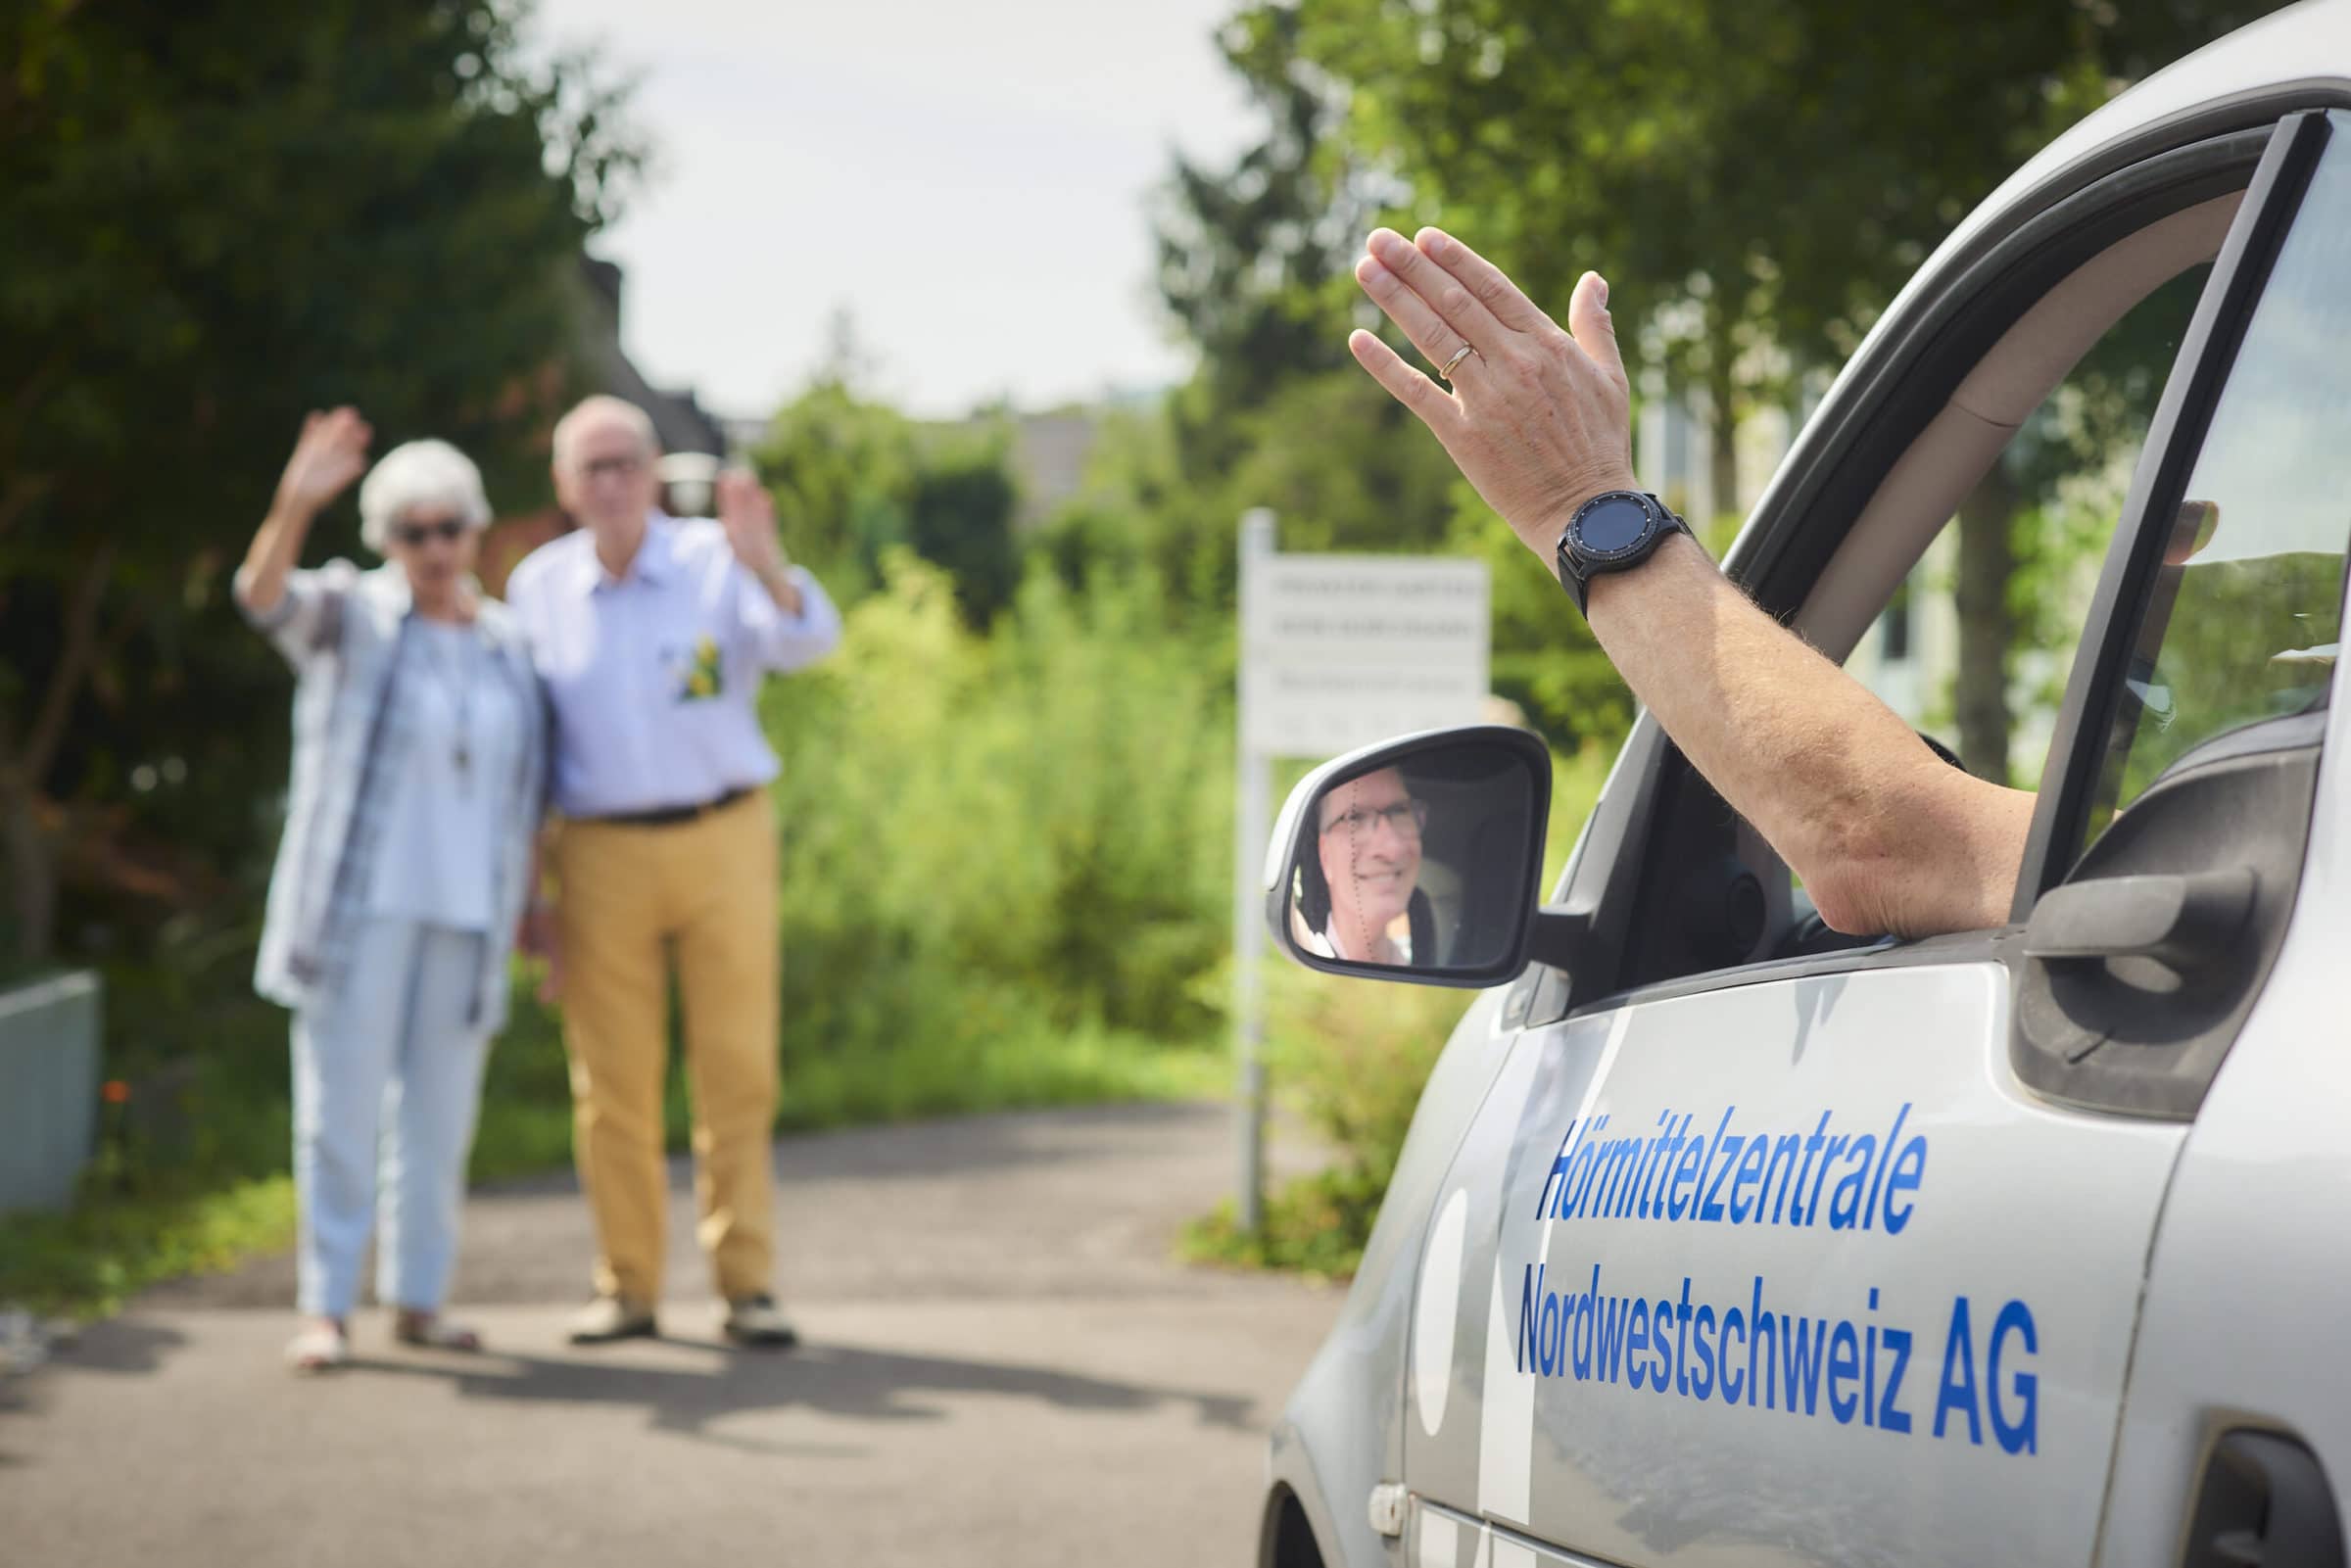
1338 652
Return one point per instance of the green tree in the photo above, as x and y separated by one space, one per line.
1257 264
218 216
1757 178
1254 270
1249 256
841 469
854 479
961 518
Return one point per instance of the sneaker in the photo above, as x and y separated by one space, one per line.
755 1321
612 1318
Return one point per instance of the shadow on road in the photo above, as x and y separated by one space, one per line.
859 1385
118 1346
123 1344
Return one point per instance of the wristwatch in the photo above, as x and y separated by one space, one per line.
1614 530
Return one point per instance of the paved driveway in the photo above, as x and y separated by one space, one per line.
1002 1367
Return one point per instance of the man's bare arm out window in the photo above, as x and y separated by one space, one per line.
1886 836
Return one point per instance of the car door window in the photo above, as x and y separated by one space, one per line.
2041 433
2194 736
2245 614
1976 645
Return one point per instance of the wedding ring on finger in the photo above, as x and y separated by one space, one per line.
1445 372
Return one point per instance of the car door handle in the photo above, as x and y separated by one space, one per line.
2186 921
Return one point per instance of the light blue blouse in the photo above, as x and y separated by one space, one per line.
355 722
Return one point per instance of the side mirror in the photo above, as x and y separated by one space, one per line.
1415 859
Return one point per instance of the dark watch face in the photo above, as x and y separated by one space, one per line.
1612 525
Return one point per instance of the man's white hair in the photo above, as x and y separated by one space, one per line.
429 476
604 404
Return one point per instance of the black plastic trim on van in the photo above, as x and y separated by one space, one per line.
2266 1502
2000 945
2142 1025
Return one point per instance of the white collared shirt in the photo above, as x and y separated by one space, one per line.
654 677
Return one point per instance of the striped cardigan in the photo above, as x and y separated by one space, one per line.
343 629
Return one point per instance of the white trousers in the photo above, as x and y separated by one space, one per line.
389 1061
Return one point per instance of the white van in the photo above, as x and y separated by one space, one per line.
1721 1237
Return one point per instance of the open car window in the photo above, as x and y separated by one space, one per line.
1974 647
1943 531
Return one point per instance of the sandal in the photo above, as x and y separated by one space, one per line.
319 1348
430 1331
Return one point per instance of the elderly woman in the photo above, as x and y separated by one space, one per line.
419 760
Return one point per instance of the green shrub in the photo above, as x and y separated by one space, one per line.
1001 840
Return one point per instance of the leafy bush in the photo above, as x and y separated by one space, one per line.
1003 884
1002 839
961 518
1349 1057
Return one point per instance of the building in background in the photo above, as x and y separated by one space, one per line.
1046 453
1049 452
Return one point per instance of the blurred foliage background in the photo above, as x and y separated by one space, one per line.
1007 802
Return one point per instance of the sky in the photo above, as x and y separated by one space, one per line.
969 181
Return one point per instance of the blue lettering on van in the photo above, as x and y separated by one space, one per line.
1850 1179
1755 1353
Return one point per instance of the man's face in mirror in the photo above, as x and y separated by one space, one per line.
1370 850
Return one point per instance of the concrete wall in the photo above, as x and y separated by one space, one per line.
48 1090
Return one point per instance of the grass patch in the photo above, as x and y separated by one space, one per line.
1315 1225
1089 1066
87 1263
1349 1057
191 1174
526 1099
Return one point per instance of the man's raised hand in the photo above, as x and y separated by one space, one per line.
1538 419
747 513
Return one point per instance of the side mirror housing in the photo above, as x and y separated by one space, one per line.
1416 860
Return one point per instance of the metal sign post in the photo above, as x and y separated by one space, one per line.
1337 652
1252 814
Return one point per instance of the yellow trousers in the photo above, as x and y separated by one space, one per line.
629 898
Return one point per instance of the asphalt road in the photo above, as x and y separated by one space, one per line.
1002 1366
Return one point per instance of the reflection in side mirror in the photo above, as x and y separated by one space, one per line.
1415 859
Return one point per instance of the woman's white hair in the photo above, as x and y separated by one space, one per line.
429 475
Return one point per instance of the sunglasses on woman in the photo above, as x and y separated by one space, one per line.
448 530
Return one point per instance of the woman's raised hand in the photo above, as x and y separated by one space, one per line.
1538 419
330 453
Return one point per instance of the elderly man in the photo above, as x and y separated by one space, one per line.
1361 906
650 633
